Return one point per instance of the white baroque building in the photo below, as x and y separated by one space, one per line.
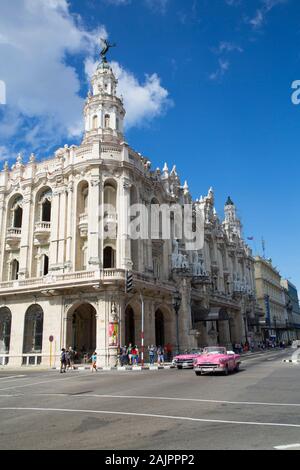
65 251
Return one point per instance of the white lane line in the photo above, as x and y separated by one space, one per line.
12 377
197 400
39 383
146 415
290 446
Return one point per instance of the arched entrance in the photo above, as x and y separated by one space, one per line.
159 328
81 330
129 326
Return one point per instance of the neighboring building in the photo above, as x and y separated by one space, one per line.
292 308
65 252
270 295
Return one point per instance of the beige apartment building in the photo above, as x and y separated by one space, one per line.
270 295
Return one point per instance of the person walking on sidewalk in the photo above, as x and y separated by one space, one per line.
63 361
94 362
160 355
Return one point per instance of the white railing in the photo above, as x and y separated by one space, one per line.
43 226
13 232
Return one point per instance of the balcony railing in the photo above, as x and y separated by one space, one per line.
14 232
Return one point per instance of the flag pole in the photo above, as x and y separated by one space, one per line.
142 330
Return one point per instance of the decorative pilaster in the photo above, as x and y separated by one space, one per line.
123 235
94 221
25 235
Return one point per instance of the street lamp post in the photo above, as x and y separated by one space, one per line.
275 327
176 306
287 330
245 324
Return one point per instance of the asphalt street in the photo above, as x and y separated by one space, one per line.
257 408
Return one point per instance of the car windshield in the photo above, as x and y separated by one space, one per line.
190 351
214 350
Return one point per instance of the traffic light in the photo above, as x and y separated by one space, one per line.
129 282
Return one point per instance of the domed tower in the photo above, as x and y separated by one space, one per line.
232 223
104 112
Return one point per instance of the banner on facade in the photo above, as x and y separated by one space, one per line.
113 334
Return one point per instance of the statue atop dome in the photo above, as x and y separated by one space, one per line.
106 47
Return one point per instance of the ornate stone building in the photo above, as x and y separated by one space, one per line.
65 251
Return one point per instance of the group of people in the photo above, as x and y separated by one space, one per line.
67 359
130 355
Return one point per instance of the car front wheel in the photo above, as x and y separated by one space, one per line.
198 373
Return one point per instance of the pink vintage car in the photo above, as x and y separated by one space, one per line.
217 359
186 360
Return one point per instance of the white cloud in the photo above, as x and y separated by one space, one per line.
42 90
222 69
260 16
142 101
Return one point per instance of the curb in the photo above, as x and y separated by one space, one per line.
293 361
119 369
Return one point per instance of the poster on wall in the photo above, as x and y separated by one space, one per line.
113 334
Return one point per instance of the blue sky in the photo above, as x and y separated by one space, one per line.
215 78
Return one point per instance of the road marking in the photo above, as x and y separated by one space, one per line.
39 383
290 446
12 377
146 415
197 400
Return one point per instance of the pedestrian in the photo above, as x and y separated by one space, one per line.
129 353
94 362
160 355
71 357
169 351
124 356
151 350
135 355
63 361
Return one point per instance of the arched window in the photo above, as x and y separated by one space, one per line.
18 216
95 122
107 121
5 330
33 330
46 211
118 124
109 255
15 270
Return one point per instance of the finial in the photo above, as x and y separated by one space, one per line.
32 158
5 166
19 159
174 171
165 168
229 202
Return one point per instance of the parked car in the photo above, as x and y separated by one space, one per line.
217 360
186 360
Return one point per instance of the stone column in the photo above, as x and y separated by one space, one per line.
27 220
94 208
71 216
53 250
101 336
3 215
62 229
123 226
17 334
